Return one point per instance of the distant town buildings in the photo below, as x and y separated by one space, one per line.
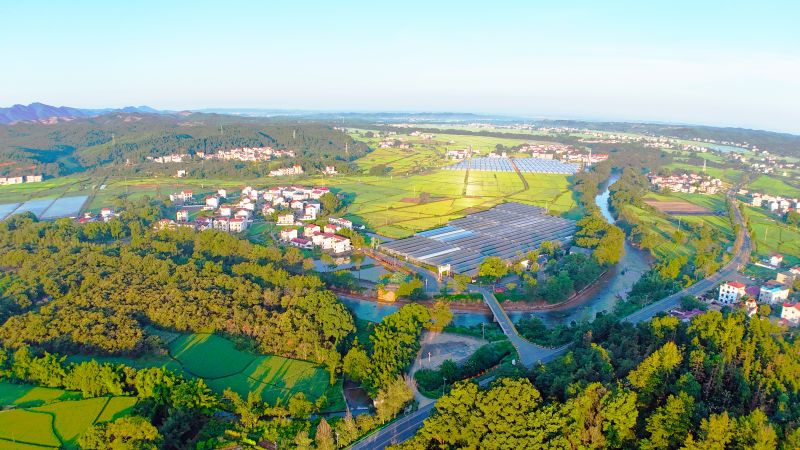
251 154
20 179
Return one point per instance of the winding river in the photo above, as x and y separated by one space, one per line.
600 297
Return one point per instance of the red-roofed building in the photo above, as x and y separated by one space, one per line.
730 292
301 243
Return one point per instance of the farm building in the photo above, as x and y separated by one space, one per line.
507 231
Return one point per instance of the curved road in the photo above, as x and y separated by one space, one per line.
405 427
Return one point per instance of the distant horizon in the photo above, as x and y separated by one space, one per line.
494 115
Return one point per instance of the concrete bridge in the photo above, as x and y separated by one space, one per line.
529 353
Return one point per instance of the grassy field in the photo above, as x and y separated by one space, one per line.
773 186
773 236
58 419
727 175
221 365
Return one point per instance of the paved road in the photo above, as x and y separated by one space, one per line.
529 353
740 259
401 430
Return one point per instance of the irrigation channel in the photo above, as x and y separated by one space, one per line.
600 297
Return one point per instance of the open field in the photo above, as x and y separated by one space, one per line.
773 186
59 419
678 207
667 226
391 204
727 175
715 202
773 236
221 365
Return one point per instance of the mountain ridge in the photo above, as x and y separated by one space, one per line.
38 111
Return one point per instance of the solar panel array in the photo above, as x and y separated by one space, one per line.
46 208
507 231
525 165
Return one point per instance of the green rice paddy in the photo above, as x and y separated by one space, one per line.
58 418
221 365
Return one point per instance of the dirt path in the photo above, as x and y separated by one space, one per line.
438 347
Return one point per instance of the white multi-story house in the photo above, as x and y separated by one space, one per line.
730 292
212 202
182 215
791 313
773 292
238 224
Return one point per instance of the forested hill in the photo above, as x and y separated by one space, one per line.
76 145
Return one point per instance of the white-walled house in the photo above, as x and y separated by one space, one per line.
791 313
730 292
773 292
238 224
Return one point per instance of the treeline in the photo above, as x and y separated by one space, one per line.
94 288
722 381
81 144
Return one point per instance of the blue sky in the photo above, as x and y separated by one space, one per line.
727 63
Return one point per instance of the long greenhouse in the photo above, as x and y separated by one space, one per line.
507 231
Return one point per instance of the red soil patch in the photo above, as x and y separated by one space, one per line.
678 207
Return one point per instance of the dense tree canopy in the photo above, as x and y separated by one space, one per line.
73 291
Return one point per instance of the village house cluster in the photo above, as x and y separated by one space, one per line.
20 179
773 292
326 237
690 183
764 162
773 203
232 154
